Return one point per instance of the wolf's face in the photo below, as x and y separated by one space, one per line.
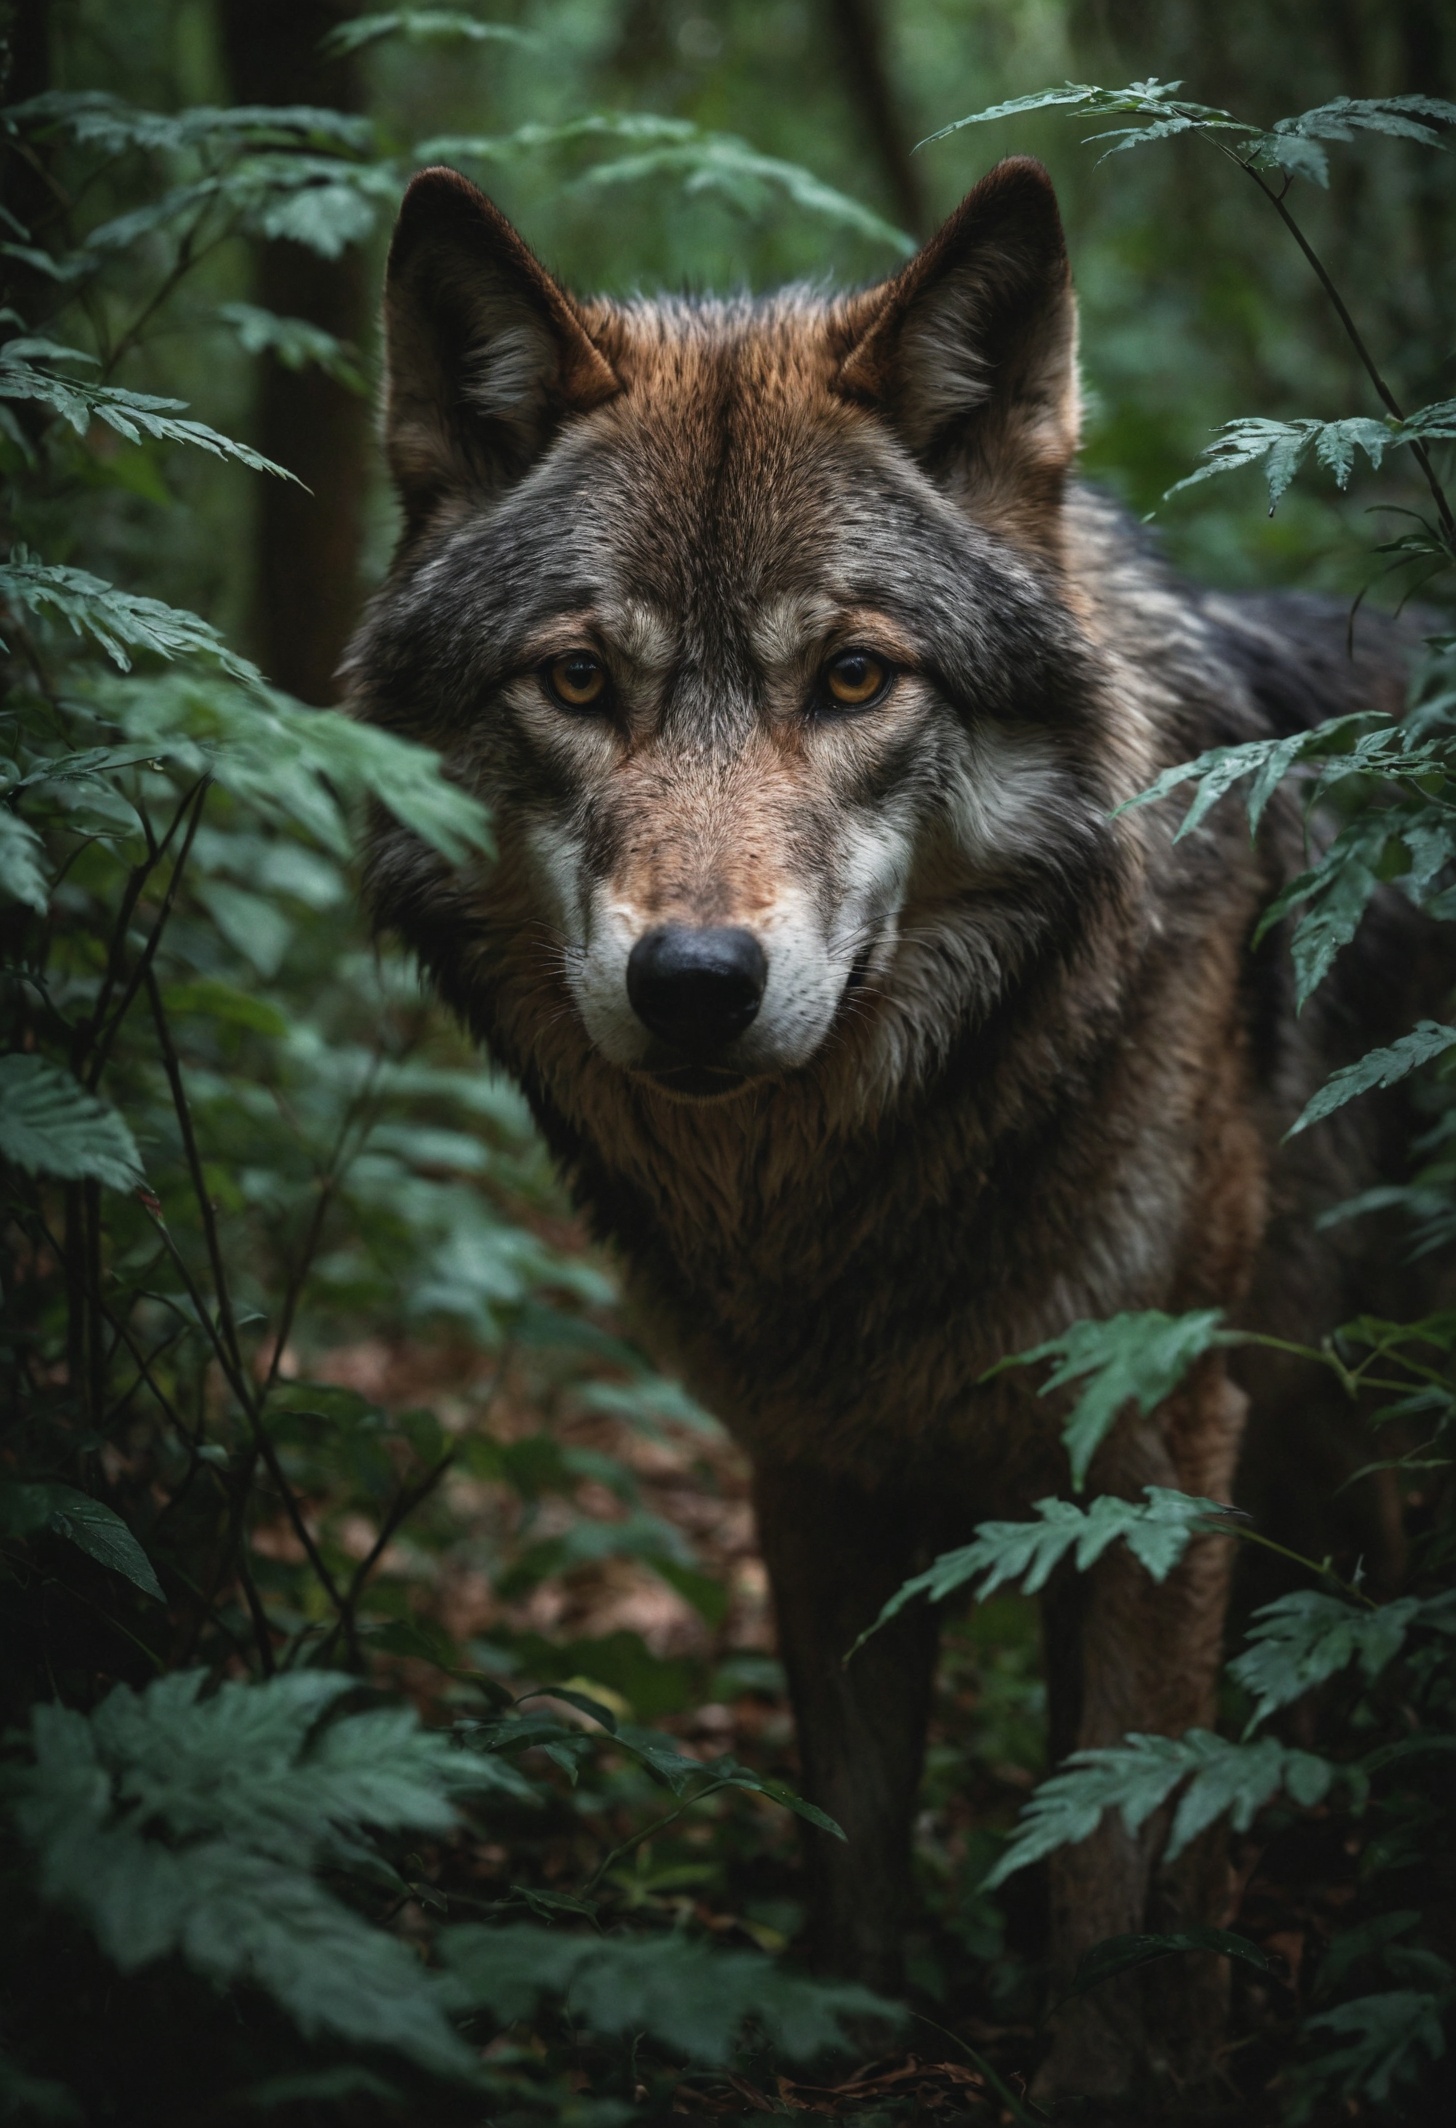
745 620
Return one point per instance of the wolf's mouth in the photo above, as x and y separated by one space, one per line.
696 1082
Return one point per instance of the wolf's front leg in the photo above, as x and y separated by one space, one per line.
835 1551
1127 1654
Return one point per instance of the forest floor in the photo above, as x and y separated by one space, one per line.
614 1556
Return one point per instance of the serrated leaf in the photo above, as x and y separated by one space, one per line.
686 1995
51 1125
94 118
132 414
1156 1530
178 1825
1135 1358
119 621
1389 2040
1337 892
1268 761
678 1771
1378 1067
1139 1775
1285 445
1299 1640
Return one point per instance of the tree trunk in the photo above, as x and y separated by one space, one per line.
858 34
306 569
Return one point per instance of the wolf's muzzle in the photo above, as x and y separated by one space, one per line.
696 988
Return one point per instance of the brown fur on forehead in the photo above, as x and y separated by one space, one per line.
728 434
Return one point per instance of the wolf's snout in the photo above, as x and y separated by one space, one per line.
696 988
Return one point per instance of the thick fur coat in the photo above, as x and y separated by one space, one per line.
781 627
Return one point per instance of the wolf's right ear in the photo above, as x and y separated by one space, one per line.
485 352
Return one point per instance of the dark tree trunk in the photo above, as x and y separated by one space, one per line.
858 34
306 576
26 192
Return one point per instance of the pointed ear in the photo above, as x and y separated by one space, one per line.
485 352
970 353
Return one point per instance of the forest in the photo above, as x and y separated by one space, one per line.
393 1723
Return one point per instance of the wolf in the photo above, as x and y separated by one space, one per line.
805 681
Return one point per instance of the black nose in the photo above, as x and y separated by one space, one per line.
696 988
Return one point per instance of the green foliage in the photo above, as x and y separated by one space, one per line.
1124 1954
1372 2046
1375 1677
1139 1775
1299 1640
255 1886
50 1125
1129 1359
235 1140
132 414
119 621
1378 1067
1157 1531
177 1826
693 1999
422 25
1283 446
1291 147
705 162
88 1524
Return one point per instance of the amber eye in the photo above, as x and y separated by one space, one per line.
578 681
855 679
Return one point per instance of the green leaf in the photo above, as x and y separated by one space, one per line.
279 757
21 873
1157 1532
1337 891
1388 2041
423 25
706 162
660 1755
1286 444
95 119
93 1528
1139 1775
212 999
181 1826
1072 96
689 1997
132 414
718 163
119 621
294 343
1300 1639
50 1125
1135 1358
1268 761
1378 1067
1123 1954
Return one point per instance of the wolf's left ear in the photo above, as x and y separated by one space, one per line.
971 351
486 354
